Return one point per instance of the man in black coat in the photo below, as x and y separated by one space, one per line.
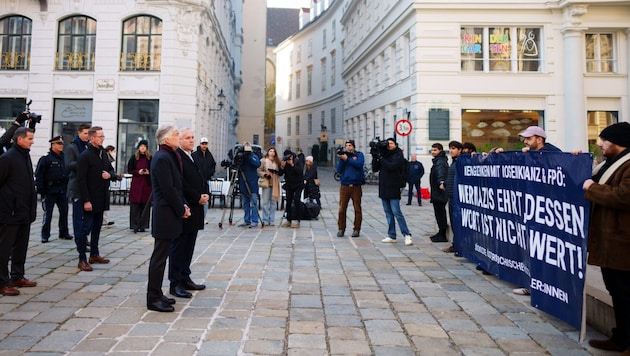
439 197
292 170
206 163
17 211
169 208
390 183
94 171
51 180
196 195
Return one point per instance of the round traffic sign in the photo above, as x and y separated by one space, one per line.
403 127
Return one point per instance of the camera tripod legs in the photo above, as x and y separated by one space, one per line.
232 191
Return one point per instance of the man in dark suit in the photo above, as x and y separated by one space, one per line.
94 171
196 194
169 207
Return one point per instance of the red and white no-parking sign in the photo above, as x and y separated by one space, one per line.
403 127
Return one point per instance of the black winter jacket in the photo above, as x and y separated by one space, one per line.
390 174
92 187
439 173
51 176
17 188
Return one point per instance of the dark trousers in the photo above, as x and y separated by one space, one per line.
346 193
92 223
415 184
180 256
293 205
13 246
138 220
157 265
618 285
77 216
439 209
61 201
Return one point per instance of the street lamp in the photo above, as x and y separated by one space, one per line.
221 96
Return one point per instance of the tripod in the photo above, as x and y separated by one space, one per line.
232 193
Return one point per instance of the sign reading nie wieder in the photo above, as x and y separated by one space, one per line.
523 217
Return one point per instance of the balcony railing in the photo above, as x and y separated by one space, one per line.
15 60
75 61
140 61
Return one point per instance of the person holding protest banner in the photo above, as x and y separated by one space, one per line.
609 236
535 139
437 181
455 148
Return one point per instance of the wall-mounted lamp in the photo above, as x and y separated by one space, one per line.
221 96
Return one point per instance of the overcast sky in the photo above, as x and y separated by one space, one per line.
288 3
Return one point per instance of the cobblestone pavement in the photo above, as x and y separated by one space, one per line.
275 291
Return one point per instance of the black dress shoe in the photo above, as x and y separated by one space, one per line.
44 241
167 300
160 306
67 237
190 285
179 291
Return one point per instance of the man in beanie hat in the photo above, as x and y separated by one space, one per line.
609 236
51 181
350 168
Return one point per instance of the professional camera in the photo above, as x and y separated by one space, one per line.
226 163
341 151
378 147
33 116
287 157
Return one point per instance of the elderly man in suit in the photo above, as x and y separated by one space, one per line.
169 208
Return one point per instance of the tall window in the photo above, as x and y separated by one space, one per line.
289 126
309 80
290 87
69 114
137 120
333 120
310 124
298 84
141 44
76 43
323 74
298 54
323 38
600 54
501 49
333 56
297 124
15 42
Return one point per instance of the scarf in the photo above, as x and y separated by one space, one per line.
169 149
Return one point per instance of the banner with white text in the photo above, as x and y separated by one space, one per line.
523 217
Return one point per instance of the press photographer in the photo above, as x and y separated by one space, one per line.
25 119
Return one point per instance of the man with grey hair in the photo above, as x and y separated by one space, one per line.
169 207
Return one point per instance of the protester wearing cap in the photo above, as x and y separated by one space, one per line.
350 168
535 138
51 181
206 164
609 236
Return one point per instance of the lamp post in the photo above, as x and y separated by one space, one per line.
217 122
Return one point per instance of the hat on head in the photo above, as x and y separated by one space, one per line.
287 152
618 133
204 140
56 138
309 158
143 142
533 131
351 142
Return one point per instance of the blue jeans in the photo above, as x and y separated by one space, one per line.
392 210
250 205
268 206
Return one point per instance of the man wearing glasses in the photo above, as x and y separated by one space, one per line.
51 181
94 171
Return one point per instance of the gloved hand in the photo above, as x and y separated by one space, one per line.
22 118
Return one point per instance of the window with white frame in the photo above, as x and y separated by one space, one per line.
297 124
309 124
15 42
333 56
298 83
76 43
501 49
309 80
323 74
333 120
290 87
289 126
600 53
334 30
310 48
298 54
323 38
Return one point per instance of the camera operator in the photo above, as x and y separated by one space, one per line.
391 181
292 170
350 169
248 163
25 119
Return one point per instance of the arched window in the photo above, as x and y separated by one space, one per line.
15 42
76 43
141 44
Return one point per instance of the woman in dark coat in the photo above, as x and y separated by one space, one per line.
140 192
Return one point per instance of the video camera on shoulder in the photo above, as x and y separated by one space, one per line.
240 152
378 147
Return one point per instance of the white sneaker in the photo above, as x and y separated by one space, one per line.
408 241
388 240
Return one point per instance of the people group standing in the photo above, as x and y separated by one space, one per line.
270 194
51 181
350 168
196 194
140 191
94 172
439 197
389 164
17 211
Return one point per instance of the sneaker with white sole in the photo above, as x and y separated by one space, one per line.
295 224
388 240
408 241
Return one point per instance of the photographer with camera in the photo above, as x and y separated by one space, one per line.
350 169
292 170
390 163
248 163
25 119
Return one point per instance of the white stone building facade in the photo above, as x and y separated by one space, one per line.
128 66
